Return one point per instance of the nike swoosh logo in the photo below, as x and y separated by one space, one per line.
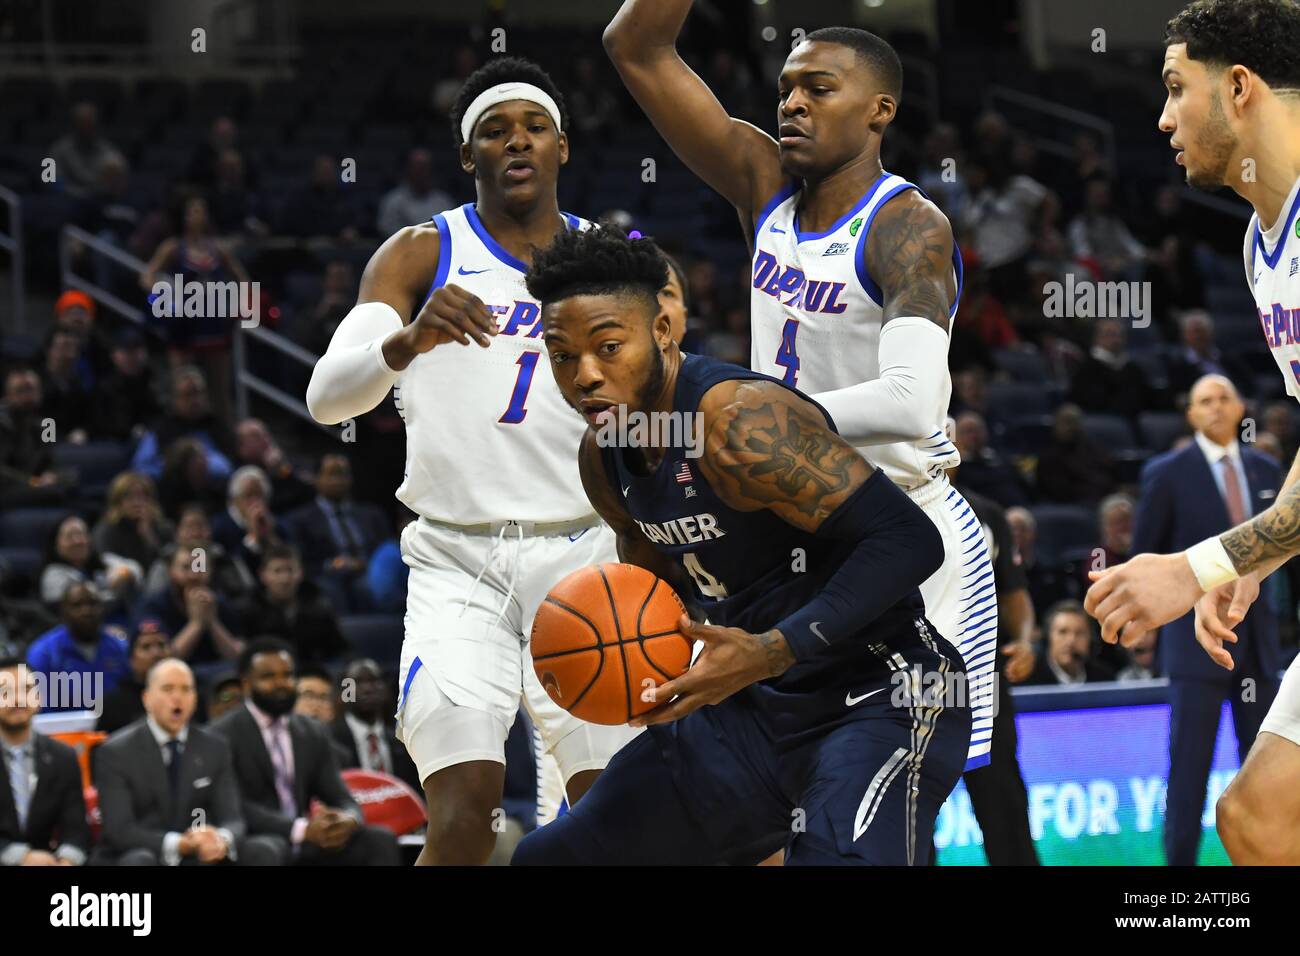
626 490
772 228
470 272
850 700
575 537
817 631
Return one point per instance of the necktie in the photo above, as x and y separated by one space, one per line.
1232 492
283 780
21 782
375 759
349 540
173 748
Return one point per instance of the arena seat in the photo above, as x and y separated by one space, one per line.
29 527
1063 529
22 564
97 462
375 635
1112 432
1022 365
1159 429
1010 400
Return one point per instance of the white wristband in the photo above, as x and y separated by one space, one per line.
1211 564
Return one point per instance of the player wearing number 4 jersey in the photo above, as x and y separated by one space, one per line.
855 278
1232 70
491 458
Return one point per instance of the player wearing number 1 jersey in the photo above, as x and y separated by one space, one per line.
1232 70
491 458
855 278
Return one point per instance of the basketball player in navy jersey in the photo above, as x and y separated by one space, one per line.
855 277
1232 71
491 468
815 718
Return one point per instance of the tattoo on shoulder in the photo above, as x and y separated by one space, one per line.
1271 534
909 253
771 450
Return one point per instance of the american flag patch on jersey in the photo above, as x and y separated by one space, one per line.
684 473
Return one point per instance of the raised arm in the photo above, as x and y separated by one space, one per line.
908 253
736 158
633 546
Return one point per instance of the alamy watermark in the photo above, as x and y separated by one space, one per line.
1086 299
56 690
207 300
623 429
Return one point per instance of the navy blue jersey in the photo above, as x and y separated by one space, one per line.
751 569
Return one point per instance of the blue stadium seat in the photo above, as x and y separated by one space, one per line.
1009 400
1021 365
1024 435
97 462
1110 431
1063 529
375 635
1159 429
28 527
21 564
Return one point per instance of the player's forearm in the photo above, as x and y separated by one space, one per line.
1268 539
355 373
643 27
908 401
898 548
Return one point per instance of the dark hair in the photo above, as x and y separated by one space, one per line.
138 633
317 671
871 49
1064 607
264 645
279 551
94 562
225 680
12 660
681 280
601 260
508 69
1261 35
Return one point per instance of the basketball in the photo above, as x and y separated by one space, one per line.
604 635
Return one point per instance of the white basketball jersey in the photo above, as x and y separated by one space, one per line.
488 435
1273 271
815 317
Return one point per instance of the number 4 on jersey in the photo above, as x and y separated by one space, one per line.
786 354
709 585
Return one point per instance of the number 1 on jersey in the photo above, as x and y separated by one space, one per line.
786 354
515 413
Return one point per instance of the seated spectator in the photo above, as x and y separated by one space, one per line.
265 732
123 705
255 446
223 136
1115 519
1073 468
592 105
1142 659
415 199
1109 381
110 213
133 525
42 808
236 209
1004 214
321 209
124 397
366 730
202 625
27 475
187 814
80 646
1067 657
230 577
225 694
79 156
291 608
70 558
66 401
337 535
1100 236
1278 421
187 479
387 572
247 527
315 325
189 416
1047 585
74 312
1199 356
983 469
316 695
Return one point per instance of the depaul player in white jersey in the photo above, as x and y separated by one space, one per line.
1232 69
491 462
855 278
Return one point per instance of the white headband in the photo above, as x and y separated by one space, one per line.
501 93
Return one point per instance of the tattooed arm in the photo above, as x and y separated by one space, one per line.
768 448
908 253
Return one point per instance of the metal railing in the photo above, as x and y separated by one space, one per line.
74 239
12 243
999 97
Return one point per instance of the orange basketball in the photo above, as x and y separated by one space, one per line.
603 636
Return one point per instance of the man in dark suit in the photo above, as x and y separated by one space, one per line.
42 810
366 732
336 535
167 789
284 762
1204 489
